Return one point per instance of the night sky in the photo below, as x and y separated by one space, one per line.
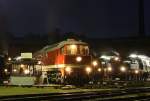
95 18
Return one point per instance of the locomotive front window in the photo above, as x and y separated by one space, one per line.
77 49
83 50
72 49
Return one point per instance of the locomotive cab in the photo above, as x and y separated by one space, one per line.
77 58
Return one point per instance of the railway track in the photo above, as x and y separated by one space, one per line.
115 95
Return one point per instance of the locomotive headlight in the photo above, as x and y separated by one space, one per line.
94 63
88 70
78 58
68 69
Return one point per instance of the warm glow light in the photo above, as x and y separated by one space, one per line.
14 70
26 71
88 70
109 69
136 71
5 70
39 62
99 70
123 69
78 59
94 63
116 58
22 65
73 46
68 69
9 59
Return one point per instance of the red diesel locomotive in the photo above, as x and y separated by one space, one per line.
66 62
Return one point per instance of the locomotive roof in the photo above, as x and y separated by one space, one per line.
61 44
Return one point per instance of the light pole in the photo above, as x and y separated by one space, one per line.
99 69
88 71
68 70
123 70
109 69
95 65
136 74
104 69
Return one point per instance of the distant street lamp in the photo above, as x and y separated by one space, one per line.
14 70
116 58
5 70
94 63
88 70
136 74
109 69
68 70
99 70
26 71
122 69
39 62
22 65
136 71
9 59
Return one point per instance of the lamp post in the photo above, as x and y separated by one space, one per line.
9 59
99 69
123 70
68 70
109 70
95 65
88 71
136 74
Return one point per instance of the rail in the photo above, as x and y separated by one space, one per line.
114 95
